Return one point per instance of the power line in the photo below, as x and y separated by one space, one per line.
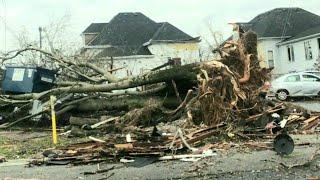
9 29
284 30
5 25
4 20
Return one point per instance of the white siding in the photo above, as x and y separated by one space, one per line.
188 52
282 64
132 65
135 65
264 46
300 63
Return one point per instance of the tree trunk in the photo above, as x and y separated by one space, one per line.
186 73
79 121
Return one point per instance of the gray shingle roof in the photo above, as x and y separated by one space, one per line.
167 31
127 32
282 22
94 28
308 32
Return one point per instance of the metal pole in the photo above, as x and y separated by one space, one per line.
53 119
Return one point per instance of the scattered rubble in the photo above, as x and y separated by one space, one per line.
221 98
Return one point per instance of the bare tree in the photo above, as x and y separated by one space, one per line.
56 38
212 38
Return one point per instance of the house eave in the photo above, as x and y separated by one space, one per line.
90 33
193 40
298 39
267 38
97 46
132 57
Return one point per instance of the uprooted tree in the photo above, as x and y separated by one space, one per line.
210 92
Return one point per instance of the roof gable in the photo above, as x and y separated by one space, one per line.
127 29
94 28
167 31
127 32
312 31
283 22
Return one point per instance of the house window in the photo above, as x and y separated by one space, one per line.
270 59
290 53
307 50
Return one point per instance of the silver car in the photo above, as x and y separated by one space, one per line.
317 73
294 85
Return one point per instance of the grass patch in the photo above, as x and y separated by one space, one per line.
13 148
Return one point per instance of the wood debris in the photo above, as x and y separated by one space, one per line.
220 97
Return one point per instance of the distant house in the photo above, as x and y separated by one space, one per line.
288 39
137 43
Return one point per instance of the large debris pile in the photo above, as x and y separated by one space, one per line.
223 96
215 91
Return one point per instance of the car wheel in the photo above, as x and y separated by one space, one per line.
282 95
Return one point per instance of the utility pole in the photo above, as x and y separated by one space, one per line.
40 39
5 25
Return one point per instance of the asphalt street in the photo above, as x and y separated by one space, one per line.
312 105
230 165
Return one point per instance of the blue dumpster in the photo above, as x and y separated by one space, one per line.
24 79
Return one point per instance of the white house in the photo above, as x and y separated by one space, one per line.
135 43
288 39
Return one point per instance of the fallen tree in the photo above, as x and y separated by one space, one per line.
177 109
222 90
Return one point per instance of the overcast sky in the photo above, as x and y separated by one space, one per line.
190 16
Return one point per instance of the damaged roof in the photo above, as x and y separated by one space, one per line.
152 41
282 22
308 32
167 31
127 32
94 28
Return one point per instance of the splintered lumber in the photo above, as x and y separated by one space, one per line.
311 119
200 135
204 130
96 139
123 146
311 123
293 118
259 145
173 157
104 122
276 108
